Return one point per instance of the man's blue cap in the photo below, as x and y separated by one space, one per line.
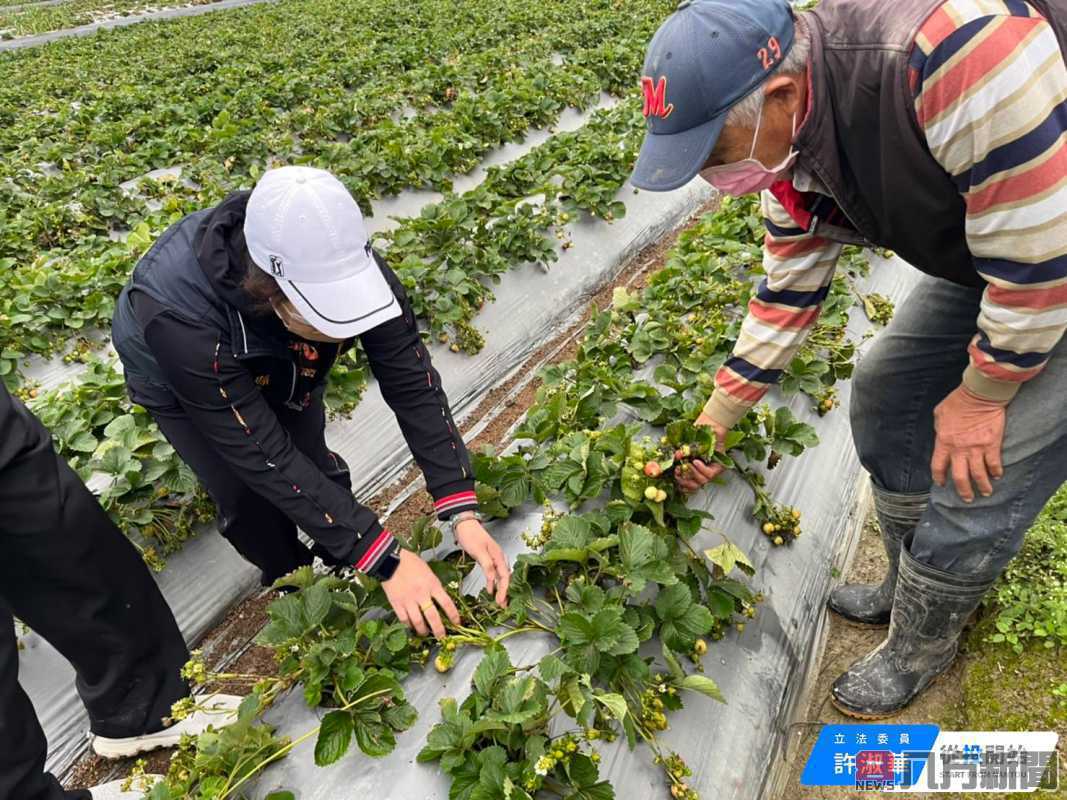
705 57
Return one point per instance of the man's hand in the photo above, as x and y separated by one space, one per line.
479 545
970 433
413 591
702 473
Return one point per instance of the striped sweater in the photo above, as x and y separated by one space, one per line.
990 90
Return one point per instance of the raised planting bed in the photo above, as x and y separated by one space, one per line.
606 579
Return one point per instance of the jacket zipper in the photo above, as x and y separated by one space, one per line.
244 333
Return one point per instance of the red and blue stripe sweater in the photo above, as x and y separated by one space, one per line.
990 92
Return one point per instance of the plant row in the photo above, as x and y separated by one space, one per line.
651 357
72 13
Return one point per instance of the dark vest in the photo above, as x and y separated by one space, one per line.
171 274
863 141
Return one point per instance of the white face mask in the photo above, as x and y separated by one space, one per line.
294 322
749 176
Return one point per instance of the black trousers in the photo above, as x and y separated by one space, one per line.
256 528
70 574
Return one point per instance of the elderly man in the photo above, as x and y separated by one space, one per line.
937 129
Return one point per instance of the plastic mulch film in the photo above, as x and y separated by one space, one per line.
532 305
122 22
762 672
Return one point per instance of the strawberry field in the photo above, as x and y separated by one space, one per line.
654 645
622 588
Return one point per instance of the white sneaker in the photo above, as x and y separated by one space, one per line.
113 790
221 710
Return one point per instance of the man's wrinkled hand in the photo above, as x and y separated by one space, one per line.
415 594
479 545
700 473
969 438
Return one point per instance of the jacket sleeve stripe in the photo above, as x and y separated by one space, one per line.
1035 299
1035 178
791 298
453 500
375 551
781 232
1020 360
1020 273
784 318
1017 152
751 372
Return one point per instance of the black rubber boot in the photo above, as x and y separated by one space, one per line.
930 608
866 604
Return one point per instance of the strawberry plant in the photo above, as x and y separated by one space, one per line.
149 492
216 763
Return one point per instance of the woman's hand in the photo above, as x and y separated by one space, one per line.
479 545
970 434
700 473
413 591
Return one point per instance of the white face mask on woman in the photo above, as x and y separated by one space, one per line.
294 322
749 175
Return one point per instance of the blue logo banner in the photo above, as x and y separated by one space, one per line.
869 755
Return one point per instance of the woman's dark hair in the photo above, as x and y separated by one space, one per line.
260 287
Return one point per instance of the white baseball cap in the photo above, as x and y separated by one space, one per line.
304 229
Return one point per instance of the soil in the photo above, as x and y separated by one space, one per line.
228 646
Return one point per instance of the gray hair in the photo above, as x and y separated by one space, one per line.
746 111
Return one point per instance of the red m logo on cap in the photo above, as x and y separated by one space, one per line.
655 95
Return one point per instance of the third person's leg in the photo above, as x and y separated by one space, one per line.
70 574
22 756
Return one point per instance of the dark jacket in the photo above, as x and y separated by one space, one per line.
20 431
25 476
34 481
185 330
863 141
